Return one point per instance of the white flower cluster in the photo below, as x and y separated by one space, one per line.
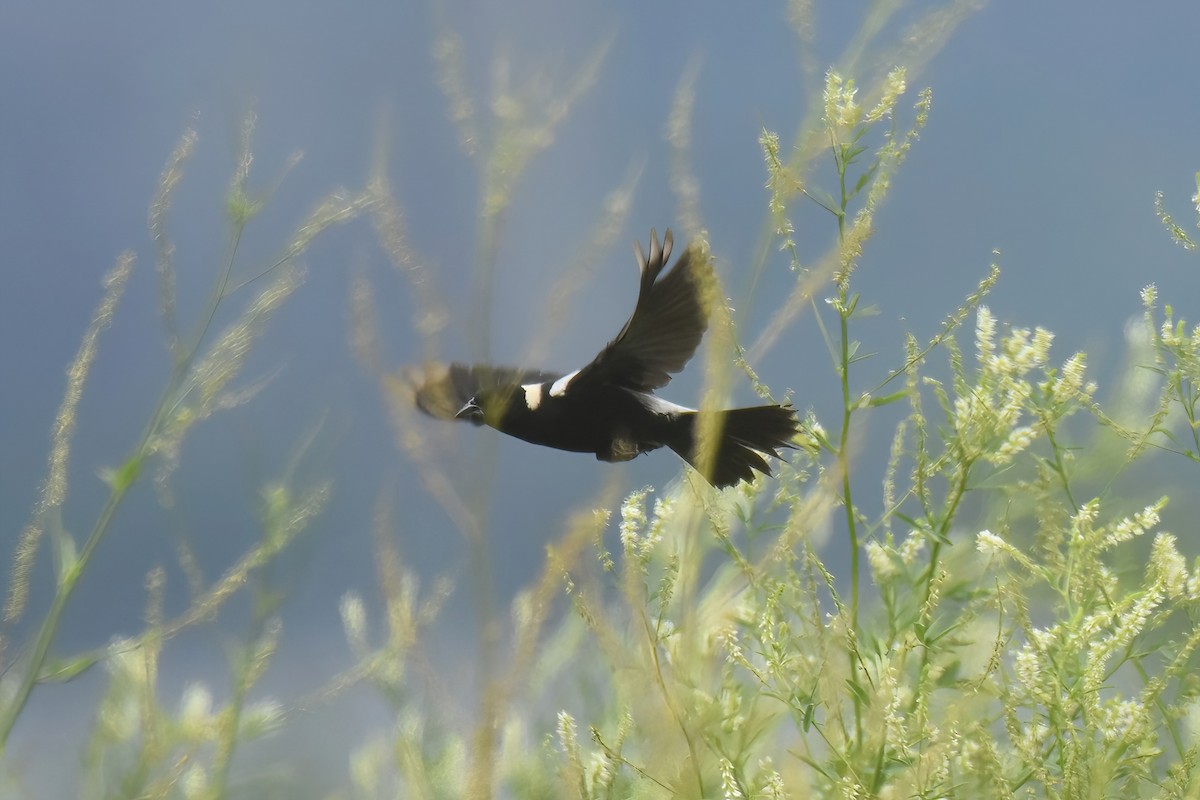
886 559
842 111
992 418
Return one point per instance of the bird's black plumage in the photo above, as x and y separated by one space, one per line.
609 407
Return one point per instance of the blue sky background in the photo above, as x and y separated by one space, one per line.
1051 130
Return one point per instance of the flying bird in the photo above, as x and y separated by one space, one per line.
609 407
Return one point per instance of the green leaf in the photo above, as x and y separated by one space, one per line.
241 208
852 304
807 715
888 399
63 670
120 479
66 554
950 676
919 527
941 538
856 357
823 199
866 177
858 691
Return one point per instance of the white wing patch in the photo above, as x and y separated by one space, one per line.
533 395
658 405
559 387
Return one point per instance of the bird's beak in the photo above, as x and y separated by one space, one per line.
471 411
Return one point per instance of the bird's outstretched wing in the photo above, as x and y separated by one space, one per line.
667 325
441 390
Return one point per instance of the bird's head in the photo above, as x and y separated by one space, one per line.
472 412
486 407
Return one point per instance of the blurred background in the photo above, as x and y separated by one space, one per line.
1051 131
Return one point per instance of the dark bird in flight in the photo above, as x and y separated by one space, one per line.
609 407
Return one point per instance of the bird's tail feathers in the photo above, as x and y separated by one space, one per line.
743 436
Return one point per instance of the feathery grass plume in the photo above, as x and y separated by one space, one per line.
240 205
1137 390
450 62
801 18
214 371
337 208
152 641
722 341
525 125
721 358
411 439
523 128
879 175
684 184
195 389
1162 387
363 318
54 487
1181 236
846 126
118 715
353 614
912 52
531 609
203 390
921 41
1064 696
571 278
568 741
387 219
391 665
164 265
240 721
201 384
285 515
781 185
530 612
140 748
400 586
146 749
890 475
237 201
1177 362
987 414
520 128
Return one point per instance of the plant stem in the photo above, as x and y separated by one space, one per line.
71 574
844 310
49 626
